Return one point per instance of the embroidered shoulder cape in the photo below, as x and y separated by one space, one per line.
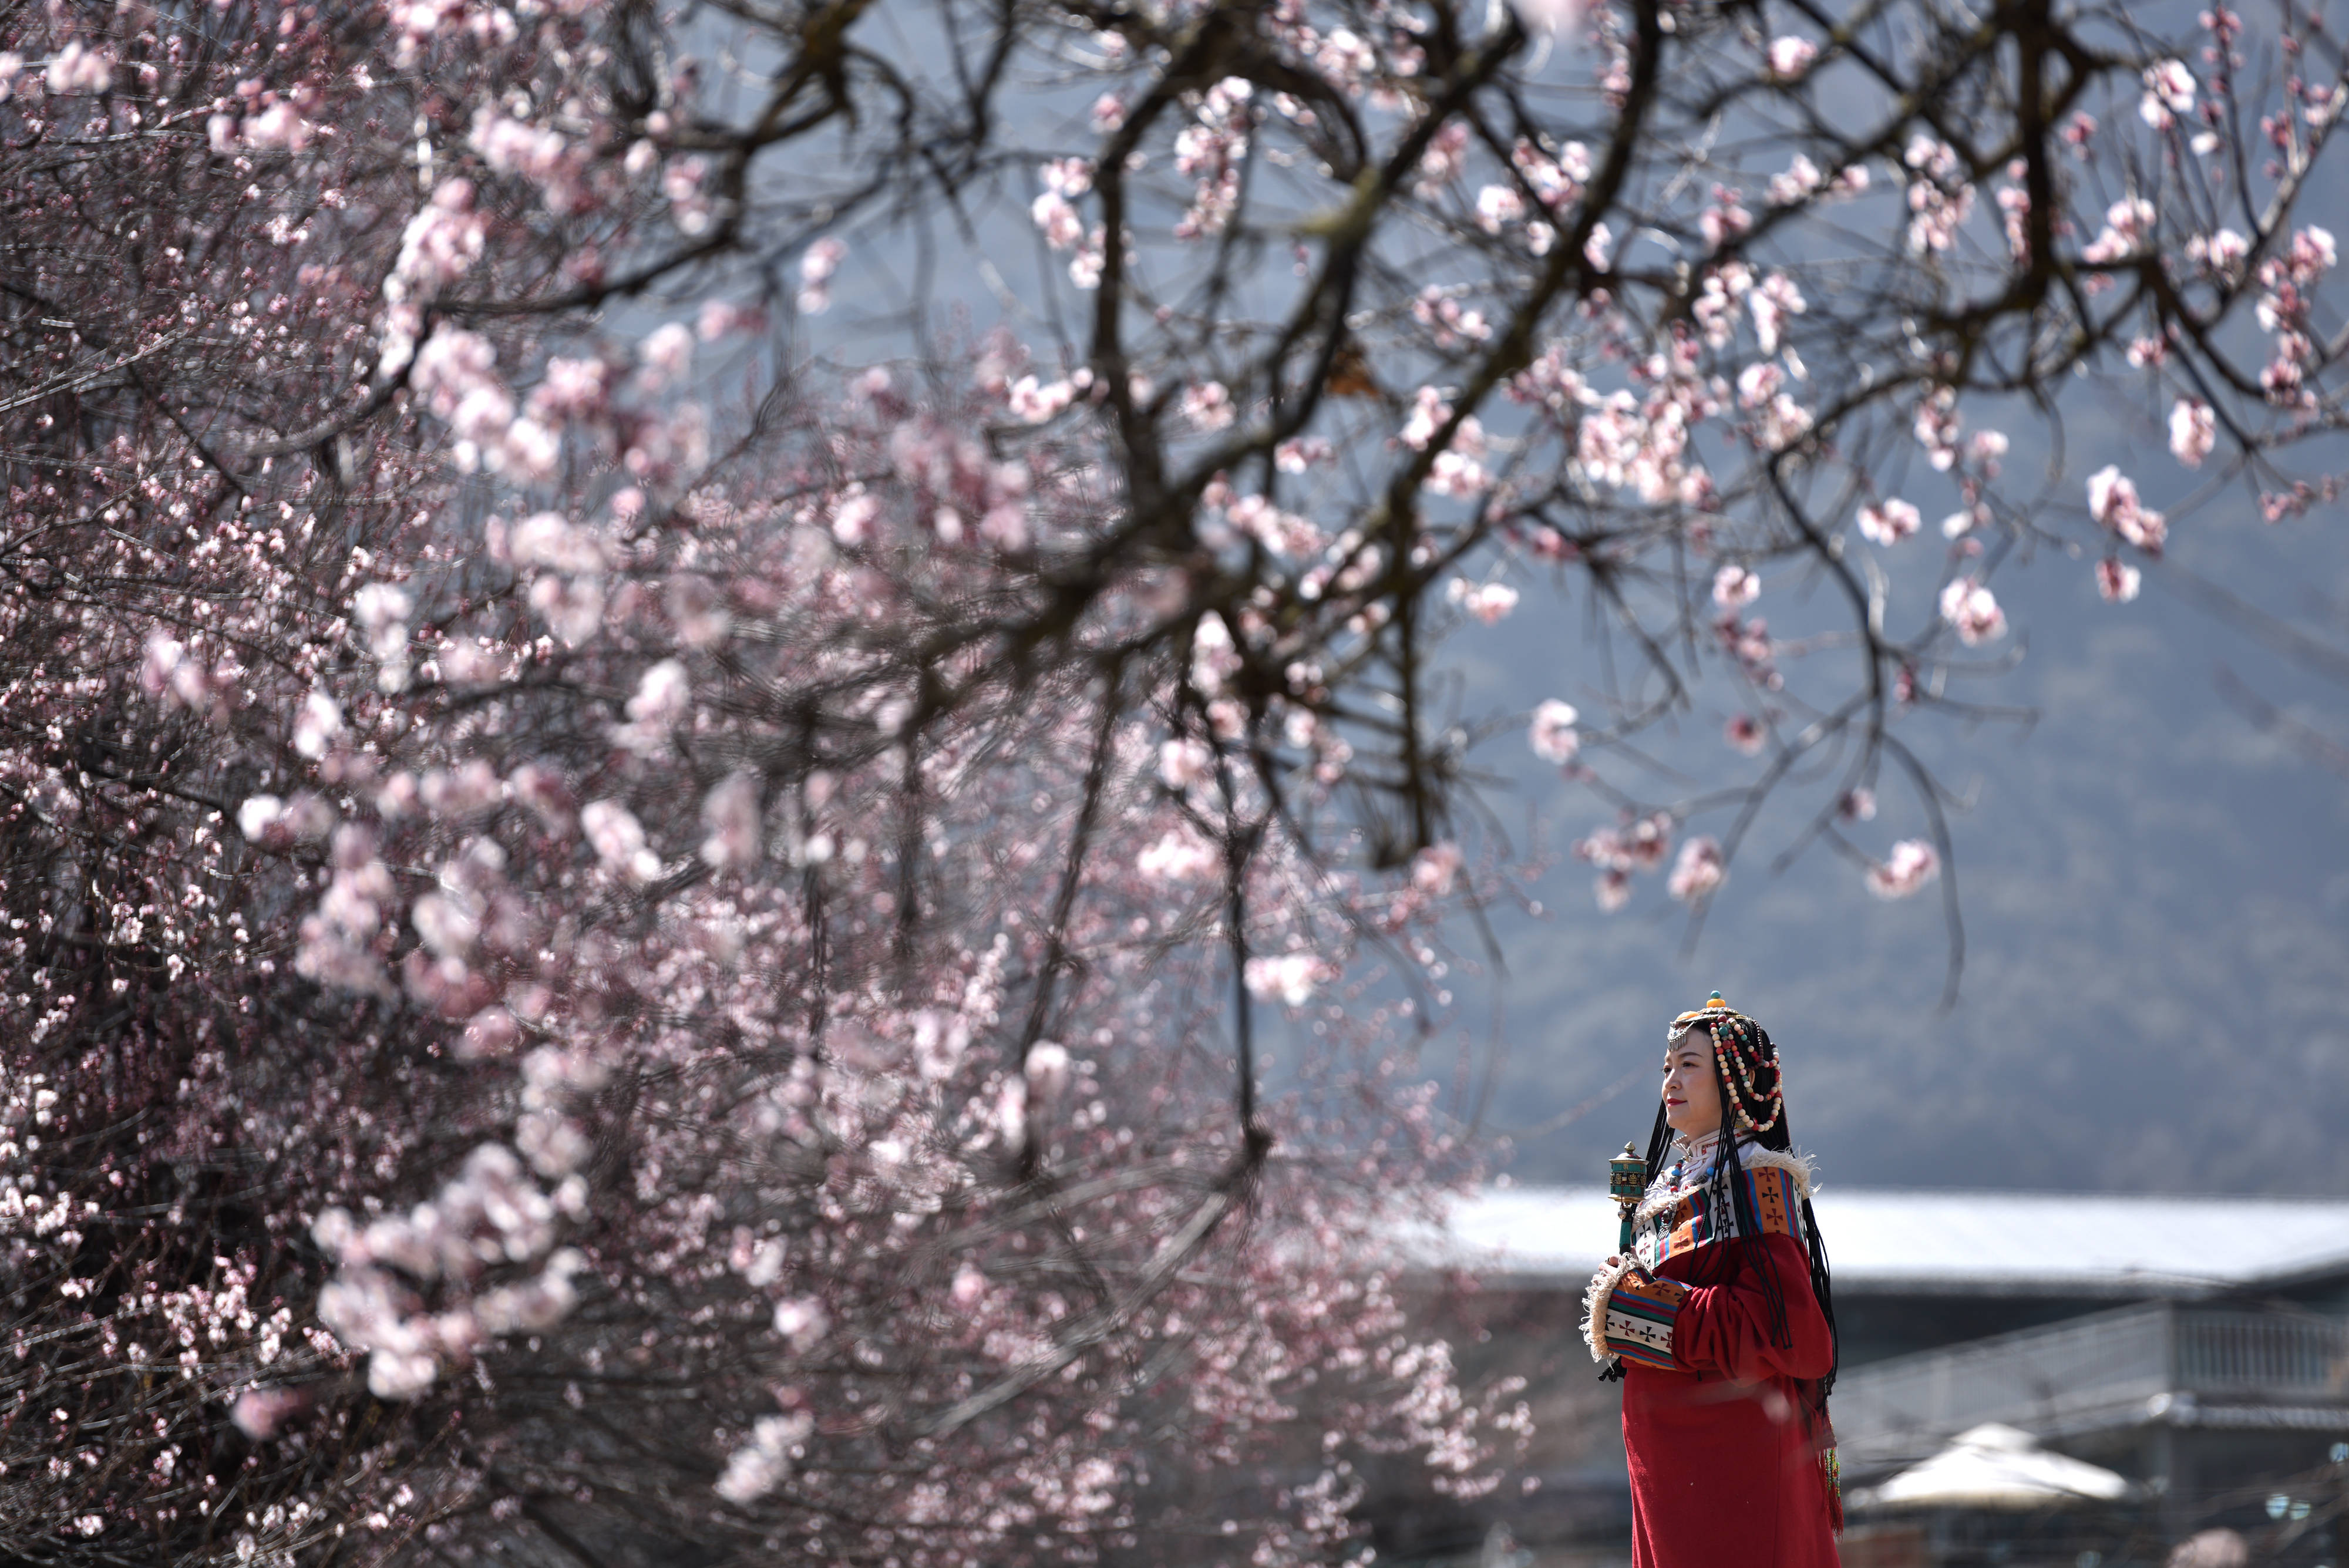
1682 1213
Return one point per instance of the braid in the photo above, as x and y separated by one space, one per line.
1823 1287
1660 1142
1728 1190
1822 1280
1752 1096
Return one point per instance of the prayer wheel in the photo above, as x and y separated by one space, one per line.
1627 1183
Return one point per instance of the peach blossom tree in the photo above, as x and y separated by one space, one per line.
690 859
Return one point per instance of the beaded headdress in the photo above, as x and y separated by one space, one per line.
1749 1062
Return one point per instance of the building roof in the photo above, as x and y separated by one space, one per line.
1993 1466
1895 1241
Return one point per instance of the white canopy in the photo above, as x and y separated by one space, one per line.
1993 1466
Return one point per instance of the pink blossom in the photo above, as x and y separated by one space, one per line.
1553 736
667 352
279 126
1745 736
685 183
1181 856
1700 870
663 697
1724 220
854 520
266 820
382 610
1429 412
1207 405
2113 502
969 1287
764 1463
551 1142
320 720
2193 431
1775 300
803 1322
489 1034
457 791
1300 453
1735 587
2169 92
1758 383
1439 309
1497 206
817 263
1062 225
550 540
2128 228
1890 522
1969 607
721 318
1488 602
2312 254
77 68
1936 427
1802 177
1085 267
1215 657
1910 866
2222 251
259 1412
1038 403
729 814
397 1374
1291 977
619 840
570 390
1445 159
1939 200
2117 580
1283 533
1184 763
440 244
1640 845
1599 252
1790 56
1435 869
1047 1071
453 365
511 146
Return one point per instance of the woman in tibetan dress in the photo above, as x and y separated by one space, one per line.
1720 1323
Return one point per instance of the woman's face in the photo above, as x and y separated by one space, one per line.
1691 1092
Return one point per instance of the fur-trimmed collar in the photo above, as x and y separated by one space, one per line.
1660 1196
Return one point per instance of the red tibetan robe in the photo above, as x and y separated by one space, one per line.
1727 1468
